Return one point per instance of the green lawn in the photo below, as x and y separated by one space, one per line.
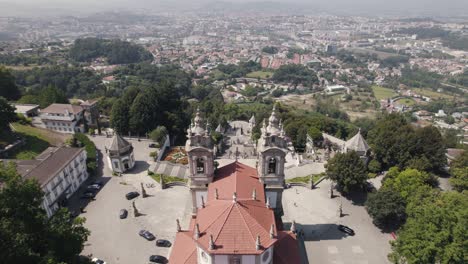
36 141
432 94
260 74
305 179
167 179
382 92
406 101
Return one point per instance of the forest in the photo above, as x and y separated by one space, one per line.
116 51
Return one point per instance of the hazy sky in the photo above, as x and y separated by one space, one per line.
414 7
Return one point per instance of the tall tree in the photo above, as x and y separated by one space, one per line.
7 113
435 231
430 145
387 208
347 170
8 88
26 234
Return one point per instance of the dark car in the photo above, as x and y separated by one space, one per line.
152 145
123 214
147 235
98 182
132 195
370 187
346 230
94 187
157 259
88 195
163 243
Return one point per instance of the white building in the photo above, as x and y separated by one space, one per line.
334 89
120 154
64 118
59 172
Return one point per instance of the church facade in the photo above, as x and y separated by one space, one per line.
236 209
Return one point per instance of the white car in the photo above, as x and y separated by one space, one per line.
98 261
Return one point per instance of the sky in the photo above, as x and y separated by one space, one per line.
375 7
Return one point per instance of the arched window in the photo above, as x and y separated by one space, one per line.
200 165
272 165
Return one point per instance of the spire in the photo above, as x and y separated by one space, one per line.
234 197
268 202
293 227
178 225
272 231
197 231
202 202
254 194
258 245
216 194
212 245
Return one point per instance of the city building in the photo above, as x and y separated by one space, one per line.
59 172
70 118
356 143
120 154
64 118
28 110
233 217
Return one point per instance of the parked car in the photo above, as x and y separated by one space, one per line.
98 182
98 261
132 195
163 243
147 235
346 230
88 195
94 187
153 145
123 214
157 259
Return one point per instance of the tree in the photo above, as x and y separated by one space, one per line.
430 146
51 95
159 135
407 181
7 113
435 231
26 234
8 88
316 135
347 170
119 118
387 208
459 172
374 166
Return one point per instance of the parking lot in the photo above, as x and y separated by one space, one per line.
317 216
116 240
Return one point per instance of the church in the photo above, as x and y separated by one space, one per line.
236 209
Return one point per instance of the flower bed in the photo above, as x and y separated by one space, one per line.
177 155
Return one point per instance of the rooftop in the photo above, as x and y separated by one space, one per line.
62 108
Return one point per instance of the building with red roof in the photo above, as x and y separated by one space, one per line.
233 218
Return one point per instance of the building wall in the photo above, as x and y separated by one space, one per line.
66 182
117 164
62 127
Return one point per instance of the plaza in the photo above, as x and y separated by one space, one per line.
117 241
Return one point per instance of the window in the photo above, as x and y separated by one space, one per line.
200 165
272 165
116 164
266 256
235 259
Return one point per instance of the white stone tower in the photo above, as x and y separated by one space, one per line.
199 147
272 148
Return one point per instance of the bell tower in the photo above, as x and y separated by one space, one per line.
199 147
272 148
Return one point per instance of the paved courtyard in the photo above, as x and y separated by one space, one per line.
317 215
117 241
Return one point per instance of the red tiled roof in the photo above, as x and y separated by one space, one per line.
234 225
286 249
184 251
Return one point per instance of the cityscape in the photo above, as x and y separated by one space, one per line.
217 132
